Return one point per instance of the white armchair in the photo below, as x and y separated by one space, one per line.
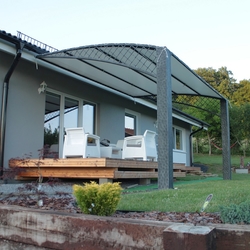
77 143
140 147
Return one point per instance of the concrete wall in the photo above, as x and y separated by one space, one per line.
38 229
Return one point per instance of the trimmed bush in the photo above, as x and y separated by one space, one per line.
236 214
96 199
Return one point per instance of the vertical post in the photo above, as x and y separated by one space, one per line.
225 134
164 118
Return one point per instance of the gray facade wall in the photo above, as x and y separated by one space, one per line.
25 110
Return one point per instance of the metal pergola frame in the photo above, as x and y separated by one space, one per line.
145 71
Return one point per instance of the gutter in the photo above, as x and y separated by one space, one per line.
19 47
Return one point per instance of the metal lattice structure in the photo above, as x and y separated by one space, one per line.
152 73
129 68
197 104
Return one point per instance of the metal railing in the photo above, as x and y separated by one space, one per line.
35 42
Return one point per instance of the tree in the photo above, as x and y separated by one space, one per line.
242 93
222 80
240 125
208 110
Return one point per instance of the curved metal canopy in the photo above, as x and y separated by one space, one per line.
129 68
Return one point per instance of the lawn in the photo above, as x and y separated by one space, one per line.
190 193
215 161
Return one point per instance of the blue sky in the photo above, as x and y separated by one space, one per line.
202 33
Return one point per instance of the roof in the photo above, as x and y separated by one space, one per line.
27 45
129 68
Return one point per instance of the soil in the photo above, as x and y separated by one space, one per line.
66 203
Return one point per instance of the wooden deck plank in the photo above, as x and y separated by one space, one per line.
138 174
179 166
179 174
193 169
83 162
86 173
131 163
92 168
134 174
69 162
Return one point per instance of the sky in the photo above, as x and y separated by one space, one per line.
202 33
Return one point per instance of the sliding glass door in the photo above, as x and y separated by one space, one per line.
61 112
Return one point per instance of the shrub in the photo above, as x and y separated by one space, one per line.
236 214
96 199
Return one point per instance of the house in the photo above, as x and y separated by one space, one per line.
44 94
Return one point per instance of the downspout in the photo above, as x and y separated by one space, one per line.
19 47
190 141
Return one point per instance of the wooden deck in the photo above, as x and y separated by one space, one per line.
91 168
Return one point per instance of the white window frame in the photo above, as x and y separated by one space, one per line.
137 119
182 138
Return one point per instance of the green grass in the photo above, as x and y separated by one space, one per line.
215 161
190 193
190 197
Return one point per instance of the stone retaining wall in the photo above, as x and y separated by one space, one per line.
38 229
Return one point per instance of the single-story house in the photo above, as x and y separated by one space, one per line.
45 91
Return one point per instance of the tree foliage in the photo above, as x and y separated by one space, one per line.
238 95
241 95
222 80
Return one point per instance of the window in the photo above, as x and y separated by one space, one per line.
130 124
71 110
89 118
178 140
63 111
51 119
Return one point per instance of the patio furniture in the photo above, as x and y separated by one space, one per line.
113 150
77 143
140 147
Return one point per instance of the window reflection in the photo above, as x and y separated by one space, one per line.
51 119
177 136
89 118
130 125
71 108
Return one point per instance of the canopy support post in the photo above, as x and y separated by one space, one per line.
225 134
164 119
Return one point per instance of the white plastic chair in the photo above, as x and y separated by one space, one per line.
77 143
140 147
